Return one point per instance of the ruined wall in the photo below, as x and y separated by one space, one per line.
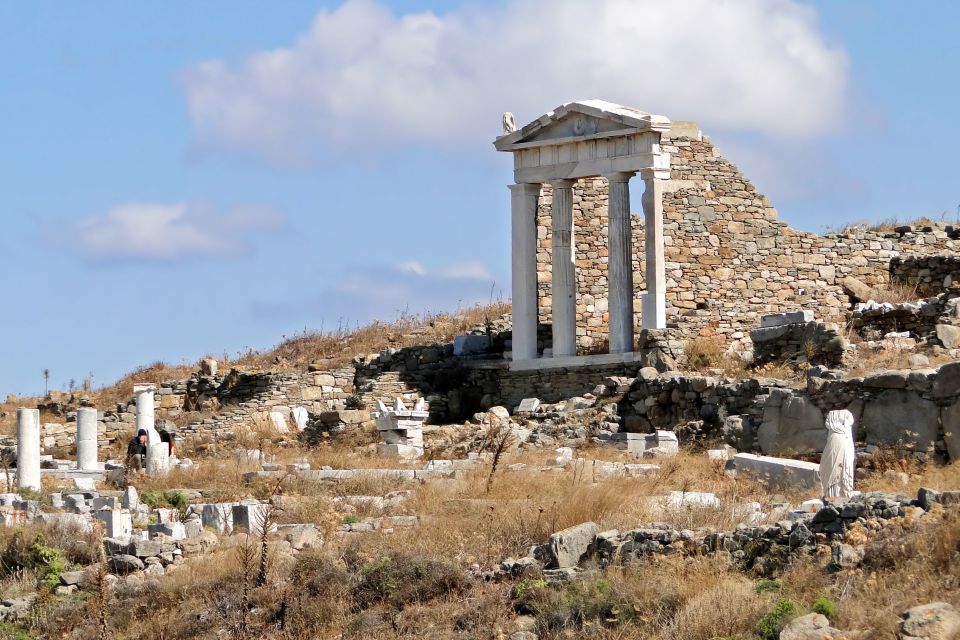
729 259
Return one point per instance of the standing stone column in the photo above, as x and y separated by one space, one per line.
524 199
620 263
87 439
564 271
28 449
145 414
654 312
158 458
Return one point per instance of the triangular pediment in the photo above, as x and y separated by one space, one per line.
582 120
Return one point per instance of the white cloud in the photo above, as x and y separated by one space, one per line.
370 293
363 75
167 232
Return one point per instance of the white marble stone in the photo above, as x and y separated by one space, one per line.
300 417
28 449
87 439
145 411
158 458
117 523
578 140
653 315
779 472
564 281
620 264
524 198
279 421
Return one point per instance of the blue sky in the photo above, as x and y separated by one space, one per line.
189 178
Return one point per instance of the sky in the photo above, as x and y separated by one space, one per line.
181 179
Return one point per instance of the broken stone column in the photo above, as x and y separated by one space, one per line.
401 429
28 449
158 458
87 439
145 415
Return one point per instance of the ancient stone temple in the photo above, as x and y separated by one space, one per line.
706 256
575 141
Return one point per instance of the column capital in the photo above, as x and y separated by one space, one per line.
619 176
525 186
560 183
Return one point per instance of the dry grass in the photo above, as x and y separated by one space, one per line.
414 582
896 292
889 225
865 361
336 348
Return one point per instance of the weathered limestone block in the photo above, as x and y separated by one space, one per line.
932 621
901 416
950 419
949 336
569 546
813 626
791 424
779 472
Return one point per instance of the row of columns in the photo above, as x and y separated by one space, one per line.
524 199
28 440
28 445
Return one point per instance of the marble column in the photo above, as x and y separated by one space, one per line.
28 449
564 271
158 458
620 263
654 311
145 415
524 198
87 439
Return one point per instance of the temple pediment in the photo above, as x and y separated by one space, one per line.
580 121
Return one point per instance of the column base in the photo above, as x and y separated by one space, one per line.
558 362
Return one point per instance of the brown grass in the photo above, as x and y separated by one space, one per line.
889 225
336 348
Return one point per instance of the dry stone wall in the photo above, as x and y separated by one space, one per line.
729 259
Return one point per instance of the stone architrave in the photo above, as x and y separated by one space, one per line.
28 449
145 411
900 416
87 437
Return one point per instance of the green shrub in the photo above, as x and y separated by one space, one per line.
152 499
178 501
527 585
825 607
773 621
398 579
575 605
49 560
350 519
765 586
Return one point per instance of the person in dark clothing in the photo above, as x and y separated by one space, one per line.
137 451
168 436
